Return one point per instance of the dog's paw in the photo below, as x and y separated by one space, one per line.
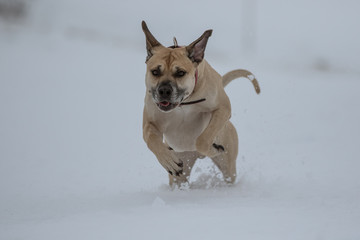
172 164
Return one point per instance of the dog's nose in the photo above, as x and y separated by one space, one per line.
165 91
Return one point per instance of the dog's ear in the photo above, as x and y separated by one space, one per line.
151 41
196 49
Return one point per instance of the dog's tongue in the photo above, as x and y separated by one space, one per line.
164 104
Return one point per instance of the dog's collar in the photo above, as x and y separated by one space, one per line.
193 102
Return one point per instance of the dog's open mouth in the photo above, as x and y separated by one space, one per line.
166 106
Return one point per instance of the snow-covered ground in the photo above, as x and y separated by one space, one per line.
73 164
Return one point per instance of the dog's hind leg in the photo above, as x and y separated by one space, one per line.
188 159
227 145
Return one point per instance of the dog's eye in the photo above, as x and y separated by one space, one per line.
180 73
155 72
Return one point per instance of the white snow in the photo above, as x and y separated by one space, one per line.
73 164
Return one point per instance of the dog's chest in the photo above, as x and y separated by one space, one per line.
183 127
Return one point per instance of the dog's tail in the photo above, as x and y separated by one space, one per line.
228 77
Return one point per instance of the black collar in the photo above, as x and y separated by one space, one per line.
193 102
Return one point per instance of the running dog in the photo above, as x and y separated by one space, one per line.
187 112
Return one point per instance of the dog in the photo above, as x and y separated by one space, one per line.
187 112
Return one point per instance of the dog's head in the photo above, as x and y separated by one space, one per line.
171 72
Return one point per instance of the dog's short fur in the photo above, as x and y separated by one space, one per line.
186 114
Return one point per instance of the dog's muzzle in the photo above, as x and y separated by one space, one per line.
167 96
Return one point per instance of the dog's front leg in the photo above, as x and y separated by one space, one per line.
167 158
206 144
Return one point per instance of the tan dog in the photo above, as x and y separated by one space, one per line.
187 112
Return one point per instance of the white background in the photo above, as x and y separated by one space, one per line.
73 164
